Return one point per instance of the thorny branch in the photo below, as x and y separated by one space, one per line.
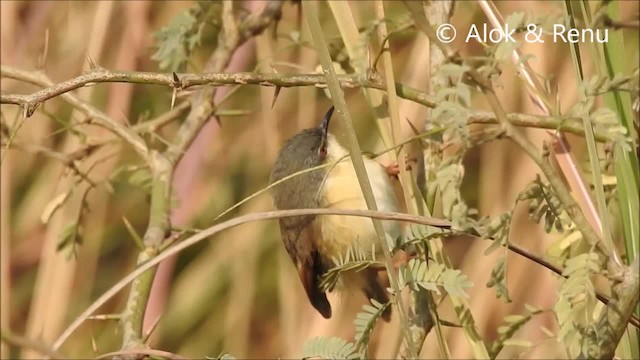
163 165
189 80
94 115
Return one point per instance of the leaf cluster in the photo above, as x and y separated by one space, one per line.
513 323
416 274
453 100
544 203
498 230
365 323
356 259
176 41
329 348
577 299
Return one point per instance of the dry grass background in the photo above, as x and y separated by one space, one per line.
236 292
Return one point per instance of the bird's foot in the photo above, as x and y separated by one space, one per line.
393 170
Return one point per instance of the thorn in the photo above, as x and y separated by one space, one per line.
275 95
217 118
176 81
413 127
177 86
94 345
29 109
92 65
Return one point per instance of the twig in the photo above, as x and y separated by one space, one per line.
31 102
68 160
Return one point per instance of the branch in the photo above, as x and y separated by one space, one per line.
186 80
68 160
613 321
31 102
175 249
163 165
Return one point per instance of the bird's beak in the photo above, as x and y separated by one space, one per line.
324 125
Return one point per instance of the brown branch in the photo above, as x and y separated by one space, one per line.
31 102
563 123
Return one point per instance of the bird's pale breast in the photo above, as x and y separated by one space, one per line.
342 191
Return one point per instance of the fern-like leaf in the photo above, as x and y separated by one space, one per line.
329 348
418 233
512 323
576 300
417 274
498 229
365 322
356 259
176 41
545 204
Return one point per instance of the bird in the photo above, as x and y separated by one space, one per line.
314 241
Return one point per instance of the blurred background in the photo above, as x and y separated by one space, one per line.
236 292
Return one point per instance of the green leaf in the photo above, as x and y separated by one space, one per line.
356 259
515 20
577 300
545 204
329 348
417 273
505 49
512 323
499 279
365 322
176 41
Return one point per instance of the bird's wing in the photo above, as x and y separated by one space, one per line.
299 240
